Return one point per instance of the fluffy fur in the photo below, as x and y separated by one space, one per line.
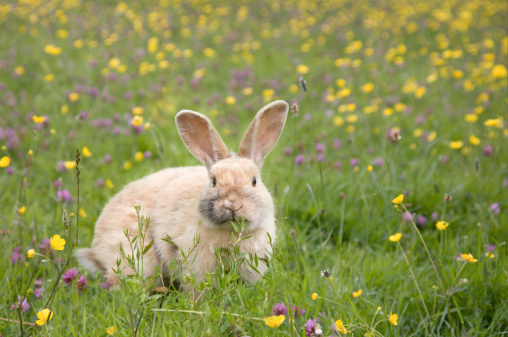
184 203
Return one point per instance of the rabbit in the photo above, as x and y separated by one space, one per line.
199 201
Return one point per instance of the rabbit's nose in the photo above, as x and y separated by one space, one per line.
229 204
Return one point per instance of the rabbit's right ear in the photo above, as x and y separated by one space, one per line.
201 137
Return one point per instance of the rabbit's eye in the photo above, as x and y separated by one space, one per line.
214 182
254 181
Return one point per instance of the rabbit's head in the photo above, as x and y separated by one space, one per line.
235 188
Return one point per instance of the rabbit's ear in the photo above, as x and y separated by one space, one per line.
200 137
264 132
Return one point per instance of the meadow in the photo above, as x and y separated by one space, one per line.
390 178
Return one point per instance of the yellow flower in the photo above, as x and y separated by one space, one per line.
5 161
293 88
22 210
52 50
499 71
110 330
274 321
86 152
357 293
468 257
314 296
209 52
474 140
369 168
340 327
82 213
57 243
44 316
30 152
367 87
441 225
137 120
64 109
456 145
70 164
471 118
138 156
109 184
497 122
420 92
49 77
230 100
489 255
30 253
393 318
398 199
137 110
302 69
147 126
19 70
127 165
340 82
395 237
73 97
247 91
38 119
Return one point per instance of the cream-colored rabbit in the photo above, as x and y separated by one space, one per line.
199 201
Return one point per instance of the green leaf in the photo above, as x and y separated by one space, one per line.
147 248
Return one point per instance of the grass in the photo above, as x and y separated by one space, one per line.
433 72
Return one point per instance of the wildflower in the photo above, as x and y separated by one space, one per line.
22 210
310 327
17 256
279 309
138 156
496 122
57 243
340 327
247 91
5 161
368 87
421 220
395 237
70 275
398 199
314 296
488 150
110 330
302 69
44 316
109 184
274 321
456 145
471 118
495 209
393 318
137 110
298 311
499 71
357 293
70 164
44 246
468 257
369 168
326 273
30 253
38 119
299 159
474 140
137 121
230 100
441 225
73 97
82 283
64 196
24 306
86 152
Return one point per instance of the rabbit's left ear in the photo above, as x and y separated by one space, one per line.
264 132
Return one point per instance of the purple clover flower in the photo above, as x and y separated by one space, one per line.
70 275
421 220
495 209
64 196
279 309
24 306
298 311
82 283
17 256
310 327
299 159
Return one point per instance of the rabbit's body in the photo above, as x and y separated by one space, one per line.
193 202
